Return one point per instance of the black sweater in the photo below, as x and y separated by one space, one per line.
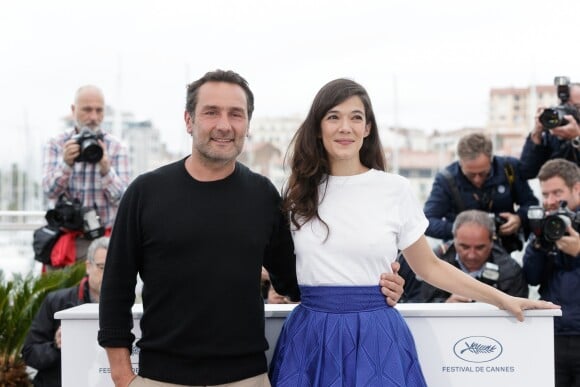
199 248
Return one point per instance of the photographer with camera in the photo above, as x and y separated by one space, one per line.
42 345
87 164
474 251
481 181
551 260
556 133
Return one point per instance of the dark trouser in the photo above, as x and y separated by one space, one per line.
567 356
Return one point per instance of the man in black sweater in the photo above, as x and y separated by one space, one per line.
197 231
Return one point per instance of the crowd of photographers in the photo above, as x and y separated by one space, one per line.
482 208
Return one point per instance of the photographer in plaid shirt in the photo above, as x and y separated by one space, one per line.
86 163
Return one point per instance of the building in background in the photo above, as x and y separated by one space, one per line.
268 144
146 150
512 113
414 153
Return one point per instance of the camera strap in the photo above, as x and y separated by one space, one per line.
486 199
456 197
84 174
91 185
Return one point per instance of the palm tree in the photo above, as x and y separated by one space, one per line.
20 299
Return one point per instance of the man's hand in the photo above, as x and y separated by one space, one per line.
569 131
512 225
57 338
121 369
105 163
570 244
70 152
392 284
265 276
536 134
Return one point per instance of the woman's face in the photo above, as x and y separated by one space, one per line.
344 128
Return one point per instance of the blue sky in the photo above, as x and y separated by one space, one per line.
427 64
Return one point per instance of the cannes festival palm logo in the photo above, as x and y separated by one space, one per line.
477 349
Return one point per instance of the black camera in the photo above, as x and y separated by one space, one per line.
550 226
65 214
498 220
92 227
512 242
88 140
554 116
71 215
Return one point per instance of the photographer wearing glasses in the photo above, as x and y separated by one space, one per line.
480 181
556 133
41 348
474 252
551 260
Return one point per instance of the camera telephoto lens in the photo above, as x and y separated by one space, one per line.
550 118
91 151
555 227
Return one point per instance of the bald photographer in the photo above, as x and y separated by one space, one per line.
84 168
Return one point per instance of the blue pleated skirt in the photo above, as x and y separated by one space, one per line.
345 336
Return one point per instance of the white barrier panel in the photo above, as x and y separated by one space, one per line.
458 344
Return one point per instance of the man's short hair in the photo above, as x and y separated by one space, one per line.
218 76
476 217
567 170
99 243
472 145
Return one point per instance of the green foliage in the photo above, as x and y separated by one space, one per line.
20 299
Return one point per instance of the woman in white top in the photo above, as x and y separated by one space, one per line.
349 218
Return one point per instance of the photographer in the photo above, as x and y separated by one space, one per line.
554 265
87 164
41 349
473 251
480 181
554 138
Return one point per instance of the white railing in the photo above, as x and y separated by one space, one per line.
21 220
16 229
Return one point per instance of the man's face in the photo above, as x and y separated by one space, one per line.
555 190
220 122
476 170
95 270
575 96
89 109
473 245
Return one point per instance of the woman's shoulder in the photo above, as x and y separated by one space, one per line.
388 177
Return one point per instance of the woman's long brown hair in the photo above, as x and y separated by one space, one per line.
308 159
